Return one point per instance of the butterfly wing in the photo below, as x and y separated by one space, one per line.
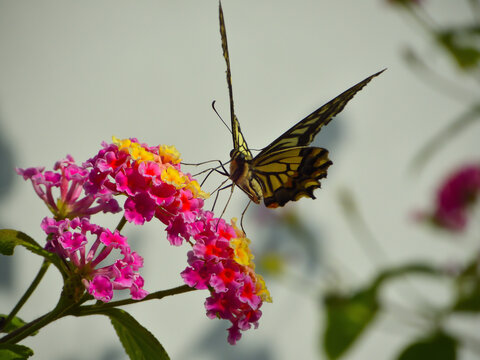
290 174
239 142
303 133
288 168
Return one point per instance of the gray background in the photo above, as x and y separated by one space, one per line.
72 74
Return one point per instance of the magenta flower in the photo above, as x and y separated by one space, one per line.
69 178
221 261
454 198
69 240
151 180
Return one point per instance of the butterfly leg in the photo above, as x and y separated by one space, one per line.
217 190
228 201
241 219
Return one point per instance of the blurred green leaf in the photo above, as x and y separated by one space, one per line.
349 315
446 135
14 352
138 342
272 264
439 346
462 43
14 324
468 289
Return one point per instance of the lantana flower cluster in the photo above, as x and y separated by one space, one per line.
153 185
222 262
69 238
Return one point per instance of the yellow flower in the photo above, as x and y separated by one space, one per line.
140 154
196 190
136 151
172 176
169 154
262 290
122 144
241 248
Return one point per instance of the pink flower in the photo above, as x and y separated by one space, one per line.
153 185
236 292
69 179
454 198
69 239
151 179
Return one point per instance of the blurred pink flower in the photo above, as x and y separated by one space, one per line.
454 197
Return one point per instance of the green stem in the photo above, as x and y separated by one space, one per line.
21 333
93 309
30 290
121 224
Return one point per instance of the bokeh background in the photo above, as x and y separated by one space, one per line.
72 74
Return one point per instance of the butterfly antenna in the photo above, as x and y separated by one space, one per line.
216 112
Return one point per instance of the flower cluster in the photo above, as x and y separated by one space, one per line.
68 229
69 238
222 262
151 180
69 178
454 198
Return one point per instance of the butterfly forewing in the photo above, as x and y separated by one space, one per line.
287 169
239 142
303 133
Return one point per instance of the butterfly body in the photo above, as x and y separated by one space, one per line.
287 169
241 174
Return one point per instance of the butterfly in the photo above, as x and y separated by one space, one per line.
287 169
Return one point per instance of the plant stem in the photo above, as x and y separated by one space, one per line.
21 333
121 224
30 290
92 309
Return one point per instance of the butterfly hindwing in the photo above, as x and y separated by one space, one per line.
288 168
290 174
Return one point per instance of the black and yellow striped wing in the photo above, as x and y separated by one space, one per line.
287 169
290 174
239 143
303 133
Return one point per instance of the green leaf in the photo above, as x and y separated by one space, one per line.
14 324
14 352
438 346
462 45
9 239
138 342
468 289
347 317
